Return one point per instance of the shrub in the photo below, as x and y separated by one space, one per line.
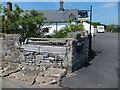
68 28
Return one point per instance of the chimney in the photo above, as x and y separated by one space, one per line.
9 5
61 5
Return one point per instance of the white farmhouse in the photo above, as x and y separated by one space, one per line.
59 18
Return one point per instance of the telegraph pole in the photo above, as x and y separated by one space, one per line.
90 36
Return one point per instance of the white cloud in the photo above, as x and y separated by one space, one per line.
110 5
97 14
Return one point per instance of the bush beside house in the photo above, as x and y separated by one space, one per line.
68 28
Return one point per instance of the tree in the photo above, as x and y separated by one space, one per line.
0 7
31 23
96 24
26 23
112 26
0 17
9 19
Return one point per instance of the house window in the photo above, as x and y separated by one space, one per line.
45 30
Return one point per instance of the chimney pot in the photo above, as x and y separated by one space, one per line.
9 5
61 5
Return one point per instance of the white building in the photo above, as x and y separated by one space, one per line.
59 17
87 27
53 28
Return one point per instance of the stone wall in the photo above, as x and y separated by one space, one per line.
76 53
70 53
10 48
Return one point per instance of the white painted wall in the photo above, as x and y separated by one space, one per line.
87 27
52 28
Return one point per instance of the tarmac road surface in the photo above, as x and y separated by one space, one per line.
101 73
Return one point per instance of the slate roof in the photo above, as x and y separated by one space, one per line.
59 16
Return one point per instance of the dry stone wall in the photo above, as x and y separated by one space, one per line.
10 48
69 53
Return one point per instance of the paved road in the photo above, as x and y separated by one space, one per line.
101 73
11 83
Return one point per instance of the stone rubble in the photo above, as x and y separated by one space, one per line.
8 68
41 67
27 74
71 74
55 72
40 80
32 74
